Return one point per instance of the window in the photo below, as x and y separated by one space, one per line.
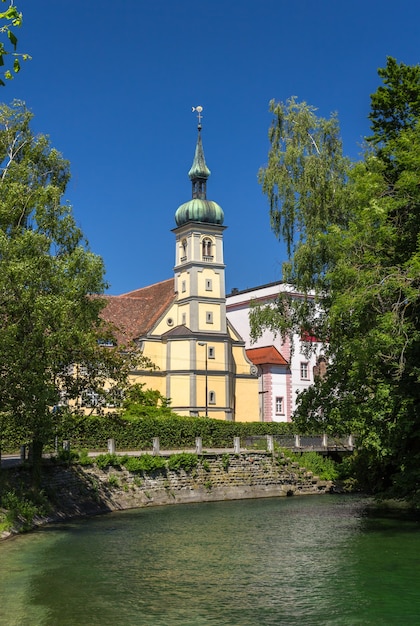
304 375
114 398
212 397
184 319
83 371
184 250
209 285
68 370
91 399
207 247
183 286
209 317
279 406
107 343
211 353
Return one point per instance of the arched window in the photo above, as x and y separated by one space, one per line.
184 250
207 248
212 397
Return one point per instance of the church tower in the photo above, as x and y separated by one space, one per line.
201 361
200 368
180 324
199 266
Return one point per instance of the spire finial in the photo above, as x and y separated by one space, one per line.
199 110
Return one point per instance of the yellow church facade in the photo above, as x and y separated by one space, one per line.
180 324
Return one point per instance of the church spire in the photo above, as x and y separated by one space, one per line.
199 209
199 171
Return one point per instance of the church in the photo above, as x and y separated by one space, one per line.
180 324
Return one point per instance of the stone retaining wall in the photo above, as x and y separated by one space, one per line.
87 490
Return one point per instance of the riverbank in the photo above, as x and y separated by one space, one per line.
72 491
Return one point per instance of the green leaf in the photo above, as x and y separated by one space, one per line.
16 66
12 38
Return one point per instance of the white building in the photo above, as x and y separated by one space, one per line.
283 370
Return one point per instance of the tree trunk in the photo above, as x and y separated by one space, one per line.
36 458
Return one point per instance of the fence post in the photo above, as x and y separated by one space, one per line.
324 441
297 441
351 442
236 445
111 446
198 445
270 443
156 446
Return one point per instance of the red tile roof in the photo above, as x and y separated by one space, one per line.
135 313
266 356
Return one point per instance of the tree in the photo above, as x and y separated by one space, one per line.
395 106
364 270
49 281
9 20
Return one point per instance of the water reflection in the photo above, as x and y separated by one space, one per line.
311 560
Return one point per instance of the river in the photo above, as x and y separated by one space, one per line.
301 560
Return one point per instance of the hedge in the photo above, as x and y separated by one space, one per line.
137 433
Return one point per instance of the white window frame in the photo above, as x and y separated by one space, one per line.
279 403
304 370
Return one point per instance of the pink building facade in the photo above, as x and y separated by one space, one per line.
284 370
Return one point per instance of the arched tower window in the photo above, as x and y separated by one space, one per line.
184 250
207 249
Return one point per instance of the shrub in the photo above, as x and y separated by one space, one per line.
226 461
184 460
113 481
144 463
84 458
21 510
205 465
321 466
109 460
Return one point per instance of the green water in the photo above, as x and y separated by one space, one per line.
310 560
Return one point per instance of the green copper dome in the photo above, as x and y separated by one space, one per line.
199 210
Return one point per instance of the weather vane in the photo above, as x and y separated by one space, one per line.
199 110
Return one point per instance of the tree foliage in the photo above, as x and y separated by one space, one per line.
10 19
50 325
361 272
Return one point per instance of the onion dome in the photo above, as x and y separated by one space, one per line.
199 209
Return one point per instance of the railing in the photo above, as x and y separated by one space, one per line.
297 443
307 443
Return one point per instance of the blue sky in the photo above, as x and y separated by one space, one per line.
113 82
